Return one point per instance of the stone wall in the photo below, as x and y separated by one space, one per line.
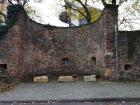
109 21
11 48
63 51
31 49
129 48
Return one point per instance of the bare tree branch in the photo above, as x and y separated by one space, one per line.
71 7
104 3
87 12
25 1
10 1
86 2
21 2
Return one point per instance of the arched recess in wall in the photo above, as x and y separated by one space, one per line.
93 61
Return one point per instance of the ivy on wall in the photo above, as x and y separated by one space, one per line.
13 14
12 17
3 30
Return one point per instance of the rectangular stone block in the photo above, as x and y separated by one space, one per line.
41 79
90 78
65 79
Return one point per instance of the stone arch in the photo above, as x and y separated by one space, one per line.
93 60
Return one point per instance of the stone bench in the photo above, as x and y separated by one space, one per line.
90 78
65 79
41 79
44 79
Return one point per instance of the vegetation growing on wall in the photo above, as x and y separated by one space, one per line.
4 77
12 14
12 17
6 81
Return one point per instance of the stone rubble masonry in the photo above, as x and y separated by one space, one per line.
31 49
109 38
129 43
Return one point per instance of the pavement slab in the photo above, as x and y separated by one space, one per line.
72 91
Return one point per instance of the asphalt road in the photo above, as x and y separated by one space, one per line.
75 103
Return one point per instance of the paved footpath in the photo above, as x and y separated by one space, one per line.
76 103
72 91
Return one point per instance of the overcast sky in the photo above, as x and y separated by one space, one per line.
49 10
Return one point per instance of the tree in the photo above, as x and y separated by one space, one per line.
2 12
68 15
129 17
4 3
84 9
21 2
129 14
76 5
113 2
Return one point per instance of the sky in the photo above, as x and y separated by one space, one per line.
49 10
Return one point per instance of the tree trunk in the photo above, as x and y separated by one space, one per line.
114 2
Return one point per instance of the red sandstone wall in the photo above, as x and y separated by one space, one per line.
35 49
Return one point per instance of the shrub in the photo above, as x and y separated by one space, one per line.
5 77
6 81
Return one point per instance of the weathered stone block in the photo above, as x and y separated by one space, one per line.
65 79
41 79
90 78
